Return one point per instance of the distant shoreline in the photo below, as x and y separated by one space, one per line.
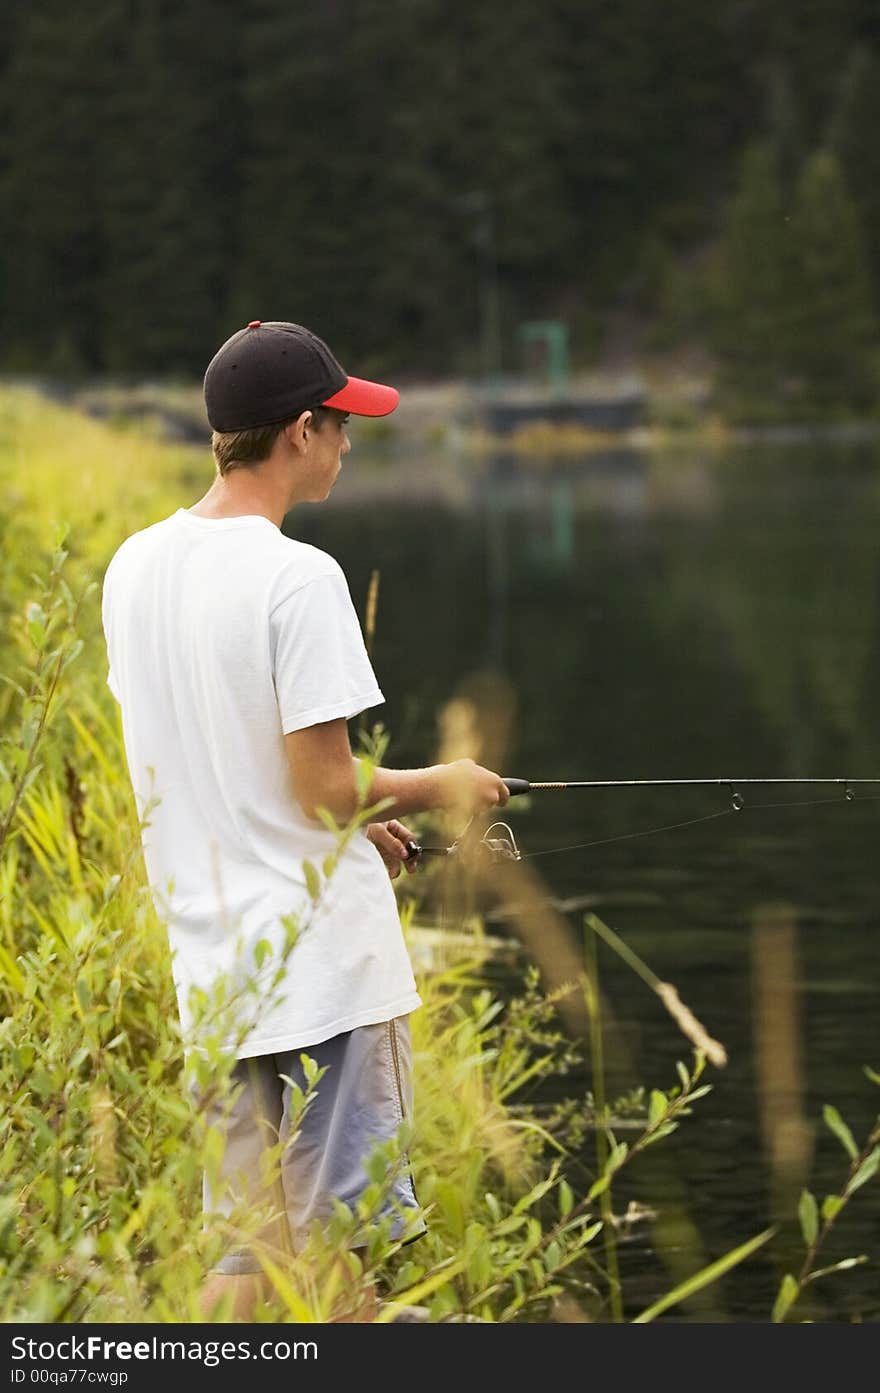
450 417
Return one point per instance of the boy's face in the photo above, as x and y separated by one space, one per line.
326 447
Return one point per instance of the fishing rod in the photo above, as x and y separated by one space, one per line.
517 786
505 847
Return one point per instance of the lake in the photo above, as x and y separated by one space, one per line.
709 614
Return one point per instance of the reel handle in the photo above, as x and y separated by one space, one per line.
515 786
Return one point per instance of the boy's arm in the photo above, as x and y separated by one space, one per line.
323 773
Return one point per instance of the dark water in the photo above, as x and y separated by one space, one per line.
638 617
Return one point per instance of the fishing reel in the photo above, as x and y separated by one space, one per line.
487 849
474 850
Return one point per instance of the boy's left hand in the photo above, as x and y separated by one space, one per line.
390 839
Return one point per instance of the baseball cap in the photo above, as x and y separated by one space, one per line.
272 370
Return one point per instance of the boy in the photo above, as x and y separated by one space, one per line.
237 658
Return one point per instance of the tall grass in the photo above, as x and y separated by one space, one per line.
102 1146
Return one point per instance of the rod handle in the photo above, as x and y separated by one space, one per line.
515 786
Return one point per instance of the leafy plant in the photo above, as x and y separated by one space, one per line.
817 1220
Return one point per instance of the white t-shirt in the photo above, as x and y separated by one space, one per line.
222 636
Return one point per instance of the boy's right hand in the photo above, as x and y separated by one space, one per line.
468 788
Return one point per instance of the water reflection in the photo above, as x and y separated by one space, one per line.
623 617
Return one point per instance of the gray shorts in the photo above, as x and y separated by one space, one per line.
361 1100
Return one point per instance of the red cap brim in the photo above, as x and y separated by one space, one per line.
363 398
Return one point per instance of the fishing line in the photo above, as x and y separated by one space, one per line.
810 802
691 822
626 836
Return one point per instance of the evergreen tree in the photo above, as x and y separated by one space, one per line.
606 69
834 344
657 101
852 138
131 186
784 120
298 257
811 39
509 131
754 309
52 90
369 227
697 112
169 191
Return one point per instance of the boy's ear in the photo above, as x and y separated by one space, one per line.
298 431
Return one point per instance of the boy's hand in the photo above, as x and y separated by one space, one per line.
469 788
390 840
